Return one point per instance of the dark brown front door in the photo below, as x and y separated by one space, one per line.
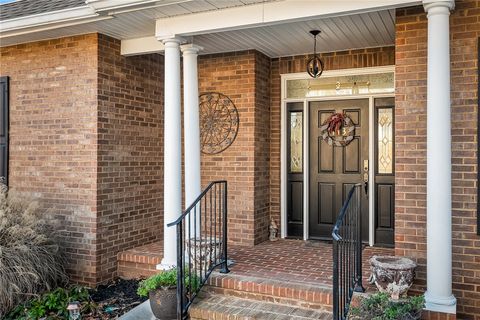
334 170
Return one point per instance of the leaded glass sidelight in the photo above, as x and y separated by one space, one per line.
296 141
385 140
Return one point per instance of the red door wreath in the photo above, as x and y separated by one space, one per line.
338 130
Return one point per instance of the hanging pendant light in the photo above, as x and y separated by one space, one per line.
315 64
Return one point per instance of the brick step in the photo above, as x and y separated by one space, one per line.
139 262
216 306
296 294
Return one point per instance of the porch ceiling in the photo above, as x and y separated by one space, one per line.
342 32
370 29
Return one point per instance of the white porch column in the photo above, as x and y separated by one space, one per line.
172 181
191 126
439 295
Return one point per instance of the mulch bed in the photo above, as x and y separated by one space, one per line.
115 298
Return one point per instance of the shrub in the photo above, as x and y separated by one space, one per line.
30 260
163 279
52 305
379 307
166 279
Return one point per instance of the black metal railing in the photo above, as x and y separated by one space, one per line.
347 254
201 243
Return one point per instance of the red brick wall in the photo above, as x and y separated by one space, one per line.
53 136
410 133
130 153
86 138
242 77
262 147
362 58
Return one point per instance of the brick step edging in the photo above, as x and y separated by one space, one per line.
291 293
134 270
213 306
135 263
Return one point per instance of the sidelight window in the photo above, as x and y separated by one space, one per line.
296 141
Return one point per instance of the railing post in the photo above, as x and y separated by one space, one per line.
358 208
224 227
180 277
335 280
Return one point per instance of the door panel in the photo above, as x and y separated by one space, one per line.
351 156
326 157
334 170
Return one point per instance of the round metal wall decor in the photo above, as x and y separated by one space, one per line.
218 122
338 130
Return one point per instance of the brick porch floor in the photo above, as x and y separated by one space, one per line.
293 260
287 260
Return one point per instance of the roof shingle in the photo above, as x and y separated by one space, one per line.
23 8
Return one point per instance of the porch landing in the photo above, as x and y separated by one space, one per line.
286 279
288 261
293 261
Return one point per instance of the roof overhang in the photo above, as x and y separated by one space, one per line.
266 14
140 24
55 19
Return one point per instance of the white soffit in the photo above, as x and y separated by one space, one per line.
268 13
372 29
126 18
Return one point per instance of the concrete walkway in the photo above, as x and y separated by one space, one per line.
141 312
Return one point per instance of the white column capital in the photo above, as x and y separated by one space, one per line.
190 48
438 6
171 40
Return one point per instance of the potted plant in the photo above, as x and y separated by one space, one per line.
161 289
379 306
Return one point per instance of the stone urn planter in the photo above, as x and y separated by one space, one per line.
163 302
203 252
392 275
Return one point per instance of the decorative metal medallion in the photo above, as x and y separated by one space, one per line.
218 122
338 130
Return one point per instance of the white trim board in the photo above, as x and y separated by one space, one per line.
306 172
268 13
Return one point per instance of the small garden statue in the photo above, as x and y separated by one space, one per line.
273 230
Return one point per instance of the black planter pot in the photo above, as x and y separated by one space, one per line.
163 302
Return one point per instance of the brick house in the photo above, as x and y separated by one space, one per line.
93 91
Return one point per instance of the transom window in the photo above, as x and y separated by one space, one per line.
367 84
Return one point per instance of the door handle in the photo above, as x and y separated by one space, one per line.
365 176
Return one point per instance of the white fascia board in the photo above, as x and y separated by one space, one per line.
41 19
269 13
145 45
105 5
121 6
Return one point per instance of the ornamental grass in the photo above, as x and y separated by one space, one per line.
30 259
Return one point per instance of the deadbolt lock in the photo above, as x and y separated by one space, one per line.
365 170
